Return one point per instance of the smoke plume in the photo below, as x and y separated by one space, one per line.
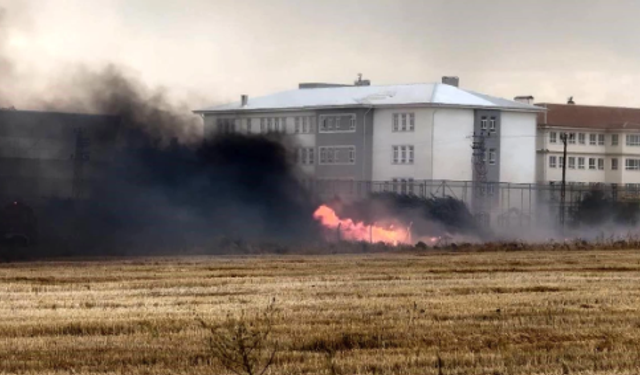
165 188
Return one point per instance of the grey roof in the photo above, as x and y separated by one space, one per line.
426 94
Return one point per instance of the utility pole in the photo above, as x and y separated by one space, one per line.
480 176
563 188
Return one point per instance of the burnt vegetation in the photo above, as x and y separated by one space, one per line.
429 216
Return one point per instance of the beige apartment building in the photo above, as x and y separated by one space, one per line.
603 145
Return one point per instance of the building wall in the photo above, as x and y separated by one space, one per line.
487 125
37 151
255 123
441 141
385 138
518 147
360 137
452 153
607 152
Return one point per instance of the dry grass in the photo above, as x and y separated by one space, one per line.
450 313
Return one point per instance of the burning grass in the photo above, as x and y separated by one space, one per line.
477 312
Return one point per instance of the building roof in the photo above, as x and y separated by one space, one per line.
426 94
589 117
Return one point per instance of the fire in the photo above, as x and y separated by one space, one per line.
347 229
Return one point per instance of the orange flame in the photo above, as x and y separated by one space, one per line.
352 231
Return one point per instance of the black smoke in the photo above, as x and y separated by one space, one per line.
180 197
166 188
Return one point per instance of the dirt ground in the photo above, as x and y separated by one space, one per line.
569 312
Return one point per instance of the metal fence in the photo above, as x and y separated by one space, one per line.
507 204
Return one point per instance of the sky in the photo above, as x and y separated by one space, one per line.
208 52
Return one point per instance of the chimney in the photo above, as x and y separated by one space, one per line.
524 99
451 81
362 82
570 100
244 99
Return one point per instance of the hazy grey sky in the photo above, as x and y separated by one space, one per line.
215 50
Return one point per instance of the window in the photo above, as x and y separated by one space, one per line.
269 125
592 163
263 125
581 163
483 123
614 164
302 125
276 124
492 156
592 139
491 189
614 139
600 139
312 125
553 137
561 161
311 155
571 137
633 139
552 161
632 164
492 125
225 126
572 162
402 154
600 163
339 123
340 155
248 125
582 138
632 187
403 185
305 156
404 122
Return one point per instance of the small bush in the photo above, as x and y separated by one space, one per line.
243 345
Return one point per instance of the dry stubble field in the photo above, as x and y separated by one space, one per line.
480 313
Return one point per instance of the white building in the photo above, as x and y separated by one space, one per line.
408 138
397 132
603 145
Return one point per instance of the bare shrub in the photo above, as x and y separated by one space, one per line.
243 344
